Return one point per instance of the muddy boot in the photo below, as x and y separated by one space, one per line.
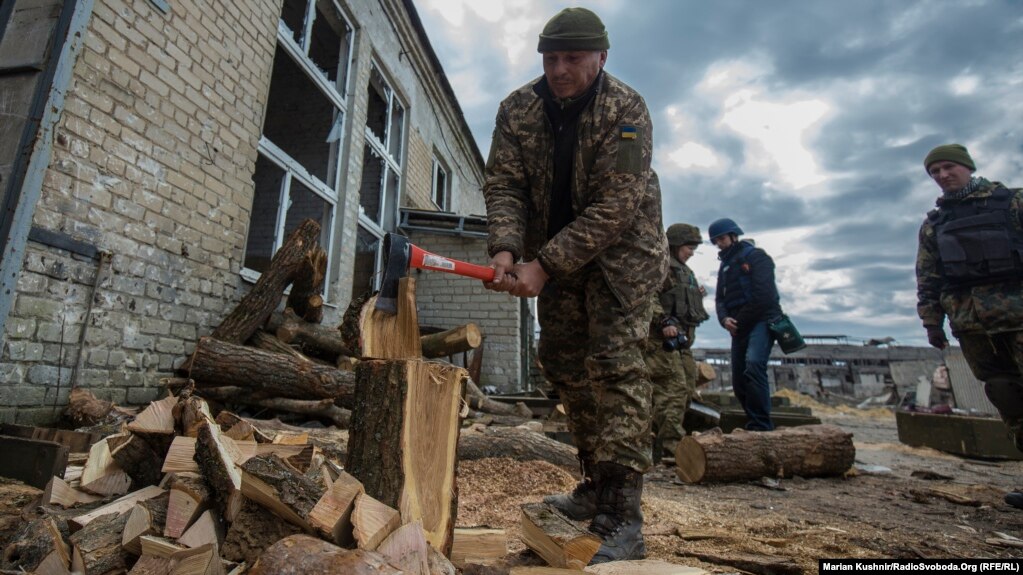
1015 498
581 503
619 520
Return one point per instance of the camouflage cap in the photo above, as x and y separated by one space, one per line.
683 234
573 29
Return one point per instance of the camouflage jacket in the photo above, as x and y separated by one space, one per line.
991 308
680 301
616 197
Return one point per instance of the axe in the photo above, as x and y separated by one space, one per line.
402 255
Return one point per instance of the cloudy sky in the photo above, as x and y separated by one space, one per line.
806 122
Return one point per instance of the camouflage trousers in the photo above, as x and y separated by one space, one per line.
590 348
671 394
997 360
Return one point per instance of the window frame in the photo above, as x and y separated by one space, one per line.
439 166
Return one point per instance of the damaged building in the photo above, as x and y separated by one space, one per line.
154 155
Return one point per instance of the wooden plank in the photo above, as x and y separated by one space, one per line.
33 461
76 441
979 437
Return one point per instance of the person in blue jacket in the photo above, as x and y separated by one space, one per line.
746 299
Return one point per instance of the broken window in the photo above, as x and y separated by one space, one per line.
441 189
380 191
297 176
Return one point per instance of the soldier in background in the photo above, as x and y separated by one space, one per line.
677 310
574 217
968 269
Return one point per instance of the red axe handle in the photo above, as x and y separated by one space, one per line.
425 260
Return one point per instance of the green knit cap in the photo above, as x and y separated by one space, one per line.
573 30
952 153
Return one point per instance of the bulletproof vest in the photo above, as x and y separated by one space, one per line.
978 242
737 287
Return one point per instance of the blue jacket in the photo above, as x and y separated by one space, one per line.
746 290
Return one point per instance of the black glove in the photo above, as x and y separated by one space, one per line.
936 336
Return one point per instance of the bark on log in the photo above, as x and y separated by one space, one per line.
216 455
136 457
308 283
806 451
314 339
270 481
305 554
403 440
252 532
322 408
515 443
452 341
147 518
97 546
252 311
33 544
216 363
269 342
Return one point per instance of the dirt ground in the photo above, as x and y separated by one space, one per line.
890 506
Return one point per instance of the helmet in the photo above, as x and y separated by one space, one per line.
682 234
722 227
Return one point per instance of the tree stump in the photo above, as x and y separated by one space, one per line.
806 451
404 437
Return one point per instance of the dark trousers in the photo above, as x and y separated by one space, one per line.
749 376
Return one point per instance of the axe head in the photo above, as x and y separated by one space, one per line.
397 253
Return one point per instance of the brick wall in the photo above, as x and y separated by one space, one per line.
152 162
447 301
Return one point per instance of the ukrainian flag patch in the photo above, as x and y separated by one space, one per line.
629 132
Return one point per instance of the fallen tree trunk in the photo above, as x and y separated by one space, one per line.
216 363
515 443
806 451
452 341
321 408
314 339
252 311
308 284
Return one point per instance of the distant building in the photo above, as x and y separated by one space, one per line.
830 364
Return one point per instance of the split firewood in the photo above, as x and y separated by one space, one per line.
189 498
66 496
37 547
151 565
305 554
313 338
181 456
137 458
372 521
276 485
704 373
252 311
235 427
404 437
97 546
148 517
86 410
159 546
192 412
307 285
252 532
478 545
554 537
158 417
216 363
331 517
118 506
207 529
202 560
216 455
478 442
406 549
449 342
102 475
439 564
806 451
376 334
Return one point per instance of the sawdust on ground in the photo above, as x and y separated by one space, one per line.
818 408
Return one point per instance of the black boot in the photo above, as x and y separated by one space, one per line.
619 520
1015 498
581 503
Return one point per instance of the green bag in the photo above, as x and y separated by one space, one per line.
786 334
